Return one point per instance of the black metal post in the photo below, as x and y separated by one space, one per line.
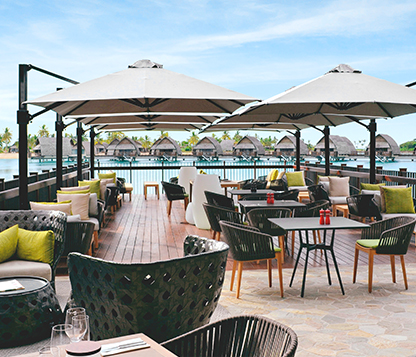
79 150
372 128
92 152
23 119
327 163
59 127
297 136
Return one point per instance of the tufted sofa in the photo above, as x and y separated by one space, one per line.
34 221
162 299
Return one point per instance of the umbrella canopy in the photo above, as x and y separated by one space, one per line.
138 126
231 125
144 87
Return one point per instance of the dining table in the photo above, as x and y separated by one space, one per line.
307 224
224 183
248 205
154 349
244 192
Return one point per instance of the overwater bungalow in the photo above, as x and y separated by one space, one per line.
207 147
385 146
249 146
101 148
165 146
227 147
45 148
339 146
286 146
13 149
112 146
127 147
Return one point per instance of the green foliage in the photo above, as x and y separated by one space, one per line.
408 145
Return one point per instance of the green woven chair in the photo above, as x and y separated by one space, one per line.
162 299
248 244
174 193
215 214
388 237
237 336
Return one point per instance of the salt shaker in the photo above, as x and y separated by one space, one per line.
321 216
328 216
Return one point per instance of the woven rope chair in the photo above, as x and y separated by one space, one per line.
363 206
287 195
259 217
79 237
162 299
216 214
388 237
237 336
217 199
318 193
248 244
174 193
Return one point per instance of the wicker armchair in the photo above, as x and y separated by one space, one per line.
318 193
248 244
162 299
175 192
39 221
287 195
388 237
79 237
217 199
259 217
237 336
216 214
111 196
363 206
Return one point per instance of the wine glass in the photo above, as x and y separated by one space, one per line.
81 328
70 314
60 335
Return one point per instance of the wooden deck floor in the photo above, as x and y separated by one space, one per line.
141 231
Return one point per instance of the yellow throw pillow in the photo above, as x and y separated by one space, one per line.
35 246
64 206
8 243
108 175
93 185
80 202
75 188
382 197
73 192
272 175
399 200
371 186
295 178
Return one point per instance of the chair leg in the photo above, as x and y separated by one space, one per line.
218 236
279 268
186 202
393 268
370 270
354 275
282 246
95 234
269 271
293 243
169 207
233 275
404 272
239 276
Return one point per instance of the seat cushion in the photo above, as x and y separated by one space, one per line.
93 220
338 200
369 243
393 215
300 188
25 268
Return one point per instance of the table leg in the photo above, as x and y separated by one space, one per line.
335 262
326 261
298 257
302 293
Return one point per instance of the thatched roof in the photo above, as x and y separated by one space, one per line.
288 142
384 141
112 146
227 145
208 143
250 143
129 144
46 147
86 146
341 144
166 143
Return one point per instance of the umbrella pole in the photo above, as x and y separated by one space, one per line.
326 135
79 150
297 135
372 128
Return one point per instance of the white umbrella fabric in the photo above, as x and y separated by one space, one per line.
144 87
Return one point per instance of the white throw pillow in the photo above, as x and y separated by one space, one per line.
77 188
103 186
63 207
339 186
93 209
80 203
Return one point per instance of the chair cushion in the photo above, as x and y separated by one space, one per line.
339 186
25 268
93 205
295 178
108 175
8 242
399 200
338 200
95 221
85 188
103 186
371 186
394 215
382 200
94 186
64 206
36 246
300 188
73 218
80 202
277 249
369 243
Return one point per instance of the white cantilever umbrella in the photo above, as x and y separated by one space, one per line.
144 87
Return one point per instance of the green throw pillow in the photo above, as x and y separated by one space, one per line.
295 178
399 200
94 186
72 193
371 186
35 246
111 175
8 243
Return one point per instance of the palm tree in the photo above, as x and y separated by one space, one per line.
237 137
6 137
225 135
216 138
114 135
146 142
163 134
31 141
193 140
43 131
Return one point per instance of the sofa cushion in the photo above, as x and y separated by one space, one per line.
103 186
35 245
394 215
63 206
382 199
399 200
94 186
25 268
339 186
300 188
8 242
93 205
295 178
371 186
80 202
76 188
108 175
95 221
338 200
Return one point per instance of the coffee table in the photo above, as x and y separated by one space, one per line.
307 224
28 315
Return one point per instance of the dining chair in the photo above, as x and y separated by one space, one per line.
174 192
217 199
363 206
388 237
216 214
247 335
259 217
318 193
248 244
287 195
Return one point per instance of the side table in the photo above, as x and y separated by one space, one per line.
27 315
147 184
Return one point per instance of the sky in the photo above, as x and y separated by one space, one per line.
256 47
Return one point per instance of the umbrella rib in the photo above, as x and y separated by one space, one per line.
327 119
76 108
354 119
219 106
207 120
384 110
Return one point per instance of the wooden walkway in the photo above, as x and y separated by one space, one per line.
141 231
